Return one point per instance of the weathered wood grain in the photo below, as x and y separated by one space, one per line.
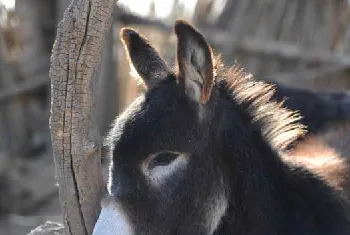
74 131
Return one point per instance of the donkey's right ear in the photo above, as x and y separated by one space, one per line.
195 62
145 59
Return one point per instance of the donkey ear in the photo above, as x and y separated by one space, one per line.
145 59
195 63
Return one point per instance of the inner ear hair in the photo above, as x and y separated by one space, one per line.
195 62
144 58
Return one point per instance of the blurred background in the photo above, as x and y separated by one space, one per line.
295 43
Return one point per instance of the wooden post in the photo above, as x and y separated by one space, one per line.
76 143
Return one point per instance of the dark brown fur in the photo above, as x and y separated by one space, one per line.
328 155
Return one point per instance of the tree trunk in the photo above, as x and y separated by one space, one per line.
74 131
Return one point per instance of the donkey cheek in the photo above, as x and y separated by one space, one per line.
112 221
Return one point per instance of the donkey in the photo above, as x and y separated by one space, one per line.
199 154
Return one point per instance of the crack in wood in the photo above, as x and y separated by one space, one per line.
71 113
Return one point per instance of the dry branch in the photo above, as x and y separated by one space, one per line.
76 146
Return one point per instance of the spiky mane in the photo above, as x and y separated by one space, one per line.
279 125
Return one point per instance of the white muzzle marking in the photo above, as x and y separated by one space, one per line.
112 220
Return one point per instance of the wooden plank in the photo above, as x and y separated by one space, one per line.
320 79
291 51
273 48
266 28
26 86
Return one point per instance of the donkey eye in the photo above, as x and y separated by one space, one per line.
160 166
162 159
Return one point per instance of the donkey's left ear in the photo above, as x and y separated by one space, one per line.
142 55
195 63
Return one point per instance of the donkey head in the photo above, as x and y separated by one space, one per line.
189 155
164 178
